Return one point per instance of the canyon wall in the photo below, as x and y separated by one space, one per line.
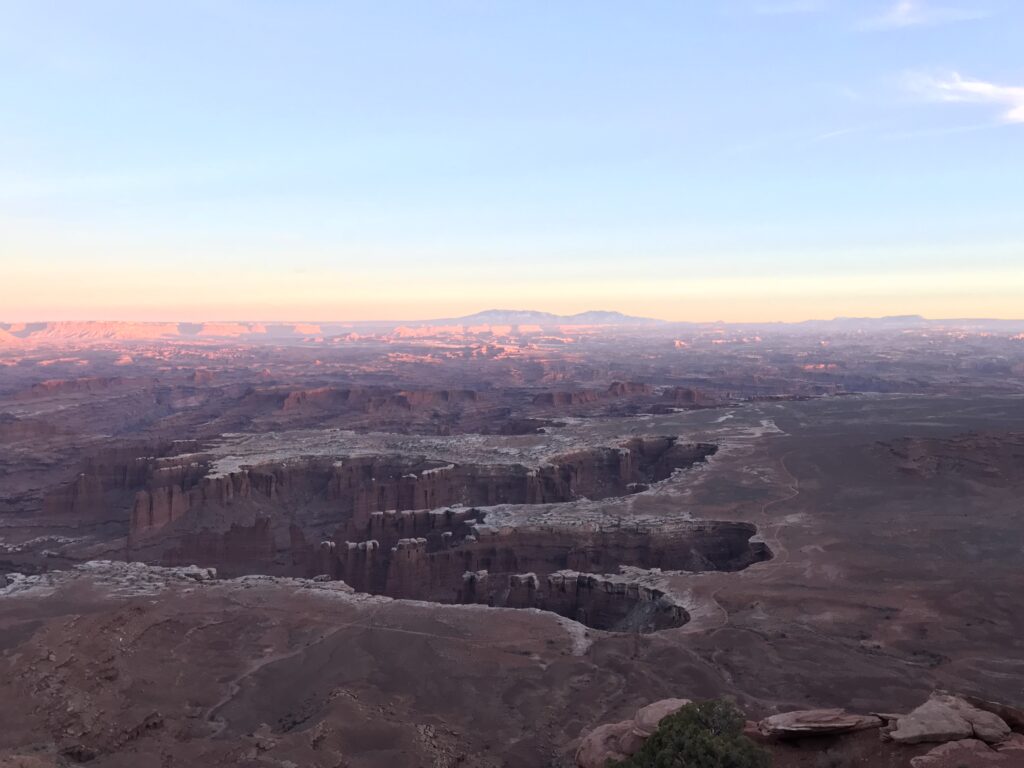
338 498
455 560
408 527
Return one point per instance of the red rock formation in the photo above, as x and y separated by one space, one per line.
685 396
372 400
14 429
581 397
347 493
449 557
945 717
563 399
629 389
85 385
814 722
8 339
386 524
618 741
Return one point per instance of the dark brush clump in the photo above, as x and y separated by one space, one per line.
706 734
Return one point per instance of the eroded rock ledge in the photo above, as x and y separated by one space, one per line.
455 559
403 526
970 733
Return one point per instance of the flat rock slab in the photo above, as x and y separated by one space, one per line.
815 722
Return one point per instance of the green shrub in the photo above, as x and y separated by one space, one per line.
708 734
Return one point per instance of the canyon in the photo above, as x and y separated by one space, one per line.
408 527
472 541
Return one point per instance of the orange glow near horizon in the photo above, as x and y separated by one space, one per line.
105 292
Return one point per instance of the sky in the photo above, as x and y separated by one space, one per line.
737 160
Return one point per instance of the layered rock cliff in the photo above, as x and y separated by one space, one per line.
321 496
410 527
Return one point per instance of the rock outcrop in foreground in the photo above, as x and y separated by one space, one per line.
617 741
949 718
121 664
815 722
969 736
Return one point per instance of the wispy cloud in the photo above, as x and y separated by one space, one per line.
929 133
956 88
839 132
919 13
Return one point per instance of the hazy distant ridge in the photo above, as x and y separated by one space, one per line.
533 317
491 321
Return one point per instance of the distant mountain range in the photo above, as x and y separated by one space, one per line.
478 324
532 317
904 323
889 321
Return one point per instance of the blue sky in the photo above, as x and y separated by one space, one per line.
738 160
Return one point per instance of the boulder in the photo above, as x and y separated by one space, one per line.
815 722
647 719
645 722
603 744
617 741
966 753
991 729
1013 744
948 718
932 721
196 573
1012 716
987 726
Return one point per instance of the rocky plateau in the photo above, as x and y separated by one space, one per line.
480 541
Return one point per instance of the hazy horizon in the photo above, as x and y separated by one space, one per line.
473 315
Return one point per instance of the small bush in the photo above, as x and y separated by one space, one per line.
708 734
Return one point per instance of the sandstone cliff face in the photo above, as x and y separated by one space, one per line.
156 508
14 429
629 389
106 485
64 332
583 397
425 398
566 399
320 398
319 496
373 400
410 528
99 332
231 329
685 396
242 549
85 385
8 339
449 557
598 601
